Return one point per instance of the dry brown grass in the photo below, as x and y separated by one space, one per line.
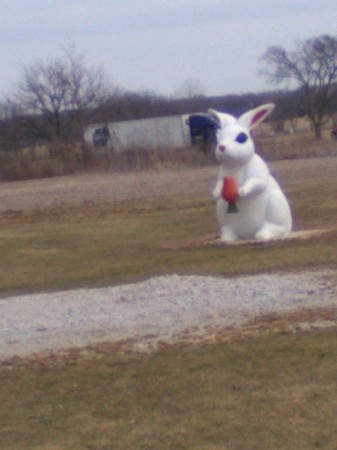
296 146
31 163
272 392
63 159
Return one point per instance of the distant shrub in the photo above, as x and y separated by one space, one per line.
295 146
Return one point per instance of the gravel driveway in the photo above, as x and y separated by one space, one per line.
163 309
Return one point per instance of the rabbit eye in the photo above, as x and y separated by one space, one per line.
241 138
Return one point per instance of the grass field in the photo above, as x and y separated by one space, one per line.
270 392
117 239
273 392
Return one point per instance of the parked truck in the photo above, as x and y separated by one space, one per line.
161 133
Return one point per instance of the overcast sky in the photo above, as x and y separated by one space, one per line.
157 45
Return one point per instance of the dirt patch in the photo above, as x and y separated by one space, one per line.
297 322
91 189
88 189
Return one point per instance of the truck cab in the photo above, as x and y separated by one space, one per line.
101 136
203 128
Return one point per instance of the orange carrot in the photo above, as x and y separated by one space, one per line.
230 193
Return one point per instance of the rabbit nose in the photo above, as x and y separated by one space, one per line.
222 148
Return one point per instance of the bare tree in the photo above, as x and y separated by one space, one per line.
11 133
312 67
55 96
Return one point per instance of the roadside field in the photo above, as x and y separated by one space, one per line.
104 229
273 389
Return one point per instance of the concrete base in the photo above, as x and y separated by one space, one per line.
215 241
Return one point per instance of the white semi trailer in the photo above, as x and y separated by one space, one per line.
157 133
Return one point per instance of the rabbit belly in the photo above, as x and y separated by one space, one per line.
262 216
246 222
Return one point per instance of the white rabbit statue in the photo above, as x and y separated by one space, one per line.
250 203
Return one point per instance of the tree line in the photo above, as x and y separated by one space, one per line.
56 99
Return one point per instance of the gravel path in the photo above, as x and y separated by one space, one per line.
159 309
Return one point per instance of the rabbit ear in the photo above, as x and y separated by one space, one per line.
222 119
255 116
